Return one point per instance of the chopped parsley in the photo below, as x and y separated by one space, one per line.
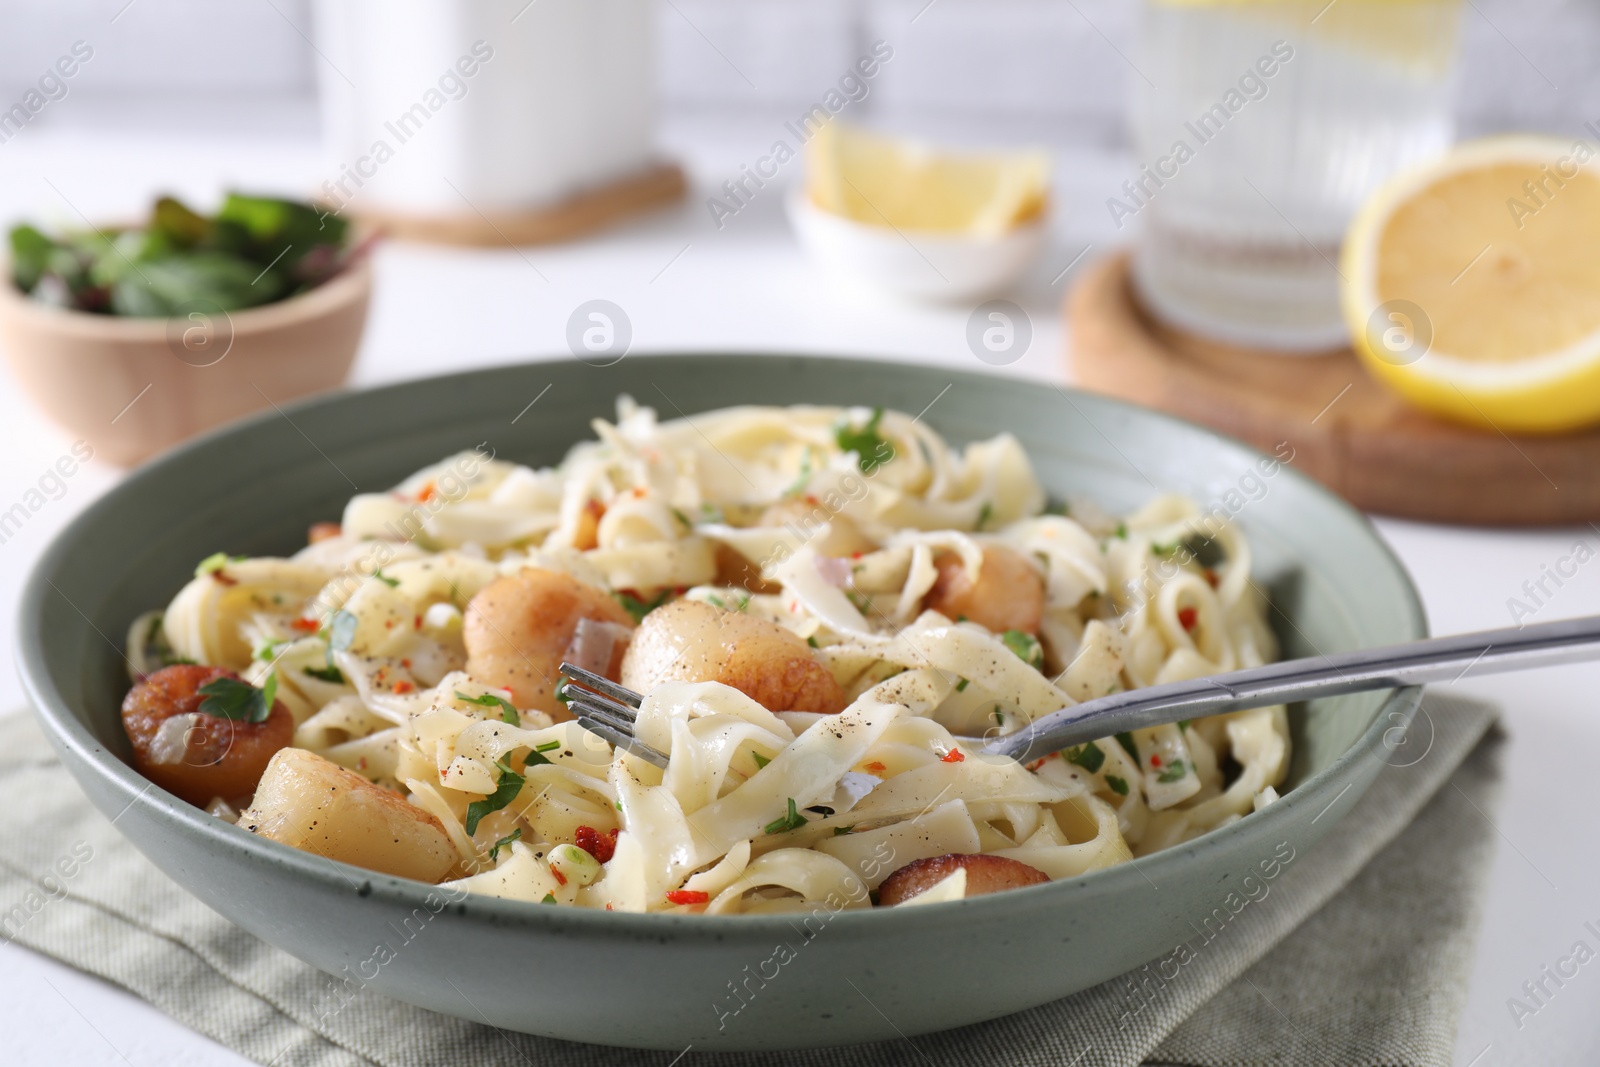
508 712
872 449
506 790
548 746
342 630
961 685
504 842
1118 785
812 641
792 821
840 831
1163 550
215 562
761 761
712 598
549 898
861 601
392 583
1088 756
1121 531
1183 724
1026 646
985 513
1126 741
269 649
233 698
329 673
640 608
681 517
1172 772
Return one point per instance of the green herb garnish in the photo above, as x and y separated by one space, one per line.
812 641
1173 771
761 761
840 831
872 449
640 608
233 698
385 579
961 685
681 517
792 821
506 790
1026 646
549 898
504 842
1088 756
1121 531
215 562
329 673
1118 785
985 513
804 479
548 746
712 598
1126 741
508 711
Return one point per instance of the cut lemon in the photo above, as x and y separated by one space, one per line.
886 181
1472 285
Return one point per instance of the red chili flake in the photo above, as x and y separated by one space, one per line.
417 622
875 767
361 764
306 626
1155 761
1187 617
426 494
224 579
1211 578
810 499
687 896
953 756
561 879
857 555
638 492
1036 764
403 686
406 664
388 624
601 846
322 531
610 908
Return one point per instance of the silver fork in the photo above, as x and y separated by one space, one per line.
609 709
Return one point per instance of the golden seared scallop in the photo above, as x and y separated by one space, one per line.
985 874
692 641
194 755
807 519
315 805
1007 595
518 628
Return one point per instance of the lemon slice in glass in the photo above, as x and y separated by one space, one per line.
1472 285
885 181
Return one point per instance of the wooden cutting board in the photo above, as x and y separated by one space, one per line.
1348 432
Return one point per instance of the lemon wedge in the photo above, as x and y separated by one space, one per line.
906 185
1472 285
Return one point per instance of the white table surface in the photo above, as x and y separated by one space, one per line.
686 285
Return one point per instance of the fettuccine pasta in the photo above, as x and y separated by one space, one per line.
818 605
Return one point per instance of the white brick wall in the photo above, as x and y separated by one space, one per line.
1041 69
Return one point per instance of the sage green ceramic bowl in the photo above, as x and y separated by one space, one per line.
663 981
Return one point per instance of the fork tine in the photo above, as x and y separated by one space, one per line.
621 712
584 709
602 684
625 741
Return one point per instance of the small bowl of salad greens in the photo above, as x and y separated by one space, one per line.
137 337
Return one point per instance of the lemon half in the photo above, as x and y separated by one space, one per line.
1472 285
886 181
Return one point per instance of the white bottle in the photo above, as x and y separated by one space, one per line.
459 107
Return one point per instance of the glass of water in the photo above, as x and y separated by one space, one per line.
1260 127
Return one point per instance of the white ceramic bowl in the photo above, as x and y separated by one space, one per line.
916 264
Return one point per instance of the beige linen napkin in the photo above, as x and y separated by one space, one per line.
1358 955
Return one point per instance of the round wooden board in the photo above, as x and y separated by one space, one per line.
1347 431
578 215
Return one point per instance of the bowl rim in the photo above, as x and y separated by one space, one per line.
65 731
351 285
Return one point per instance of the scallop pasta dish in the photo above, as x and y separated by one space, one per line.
820 607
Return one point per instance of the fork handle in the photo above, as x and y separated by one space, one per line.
1438 659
